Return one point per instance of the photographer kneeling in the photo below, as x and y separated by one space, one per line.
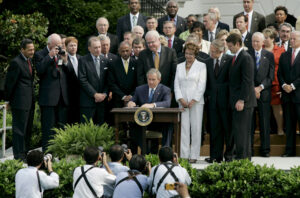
30 181
88 180
133 183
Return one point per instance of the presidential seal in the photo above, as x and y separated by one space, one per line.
143 116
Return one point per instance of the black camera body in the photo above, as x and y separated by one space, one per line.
125 148
61 51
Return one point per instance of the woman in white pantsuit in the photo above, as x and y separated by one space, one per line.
189 86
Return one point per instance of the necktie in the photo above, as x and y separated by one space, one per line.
170 43
156 61
172 19
29 66
282 45
233 60
134 21
293 58
126 66
56 63
257 58
75 64
151 96
248 22
97 64
217 67
211 37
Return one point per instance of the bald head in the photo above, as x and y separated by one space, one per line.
53 41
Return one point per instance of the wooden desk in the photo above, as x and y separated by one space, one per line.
160 115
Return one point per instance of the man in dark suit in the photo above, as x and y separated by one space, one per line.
92 74
138 45
241 24
127 22
263 77
52 69
217 92
220 25
288 76
105 48
151 95
241 96
172 9
102 26
73 82
256 21
285 30
173 41
210 21
19 91
122 76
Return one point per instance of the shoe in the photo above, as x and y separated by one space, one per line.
228 159
287 155
265 155
192 161
211 160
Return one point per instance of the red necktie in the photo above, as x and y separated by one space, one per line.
233 60
248 21
170 43
293 58
56 63
29 66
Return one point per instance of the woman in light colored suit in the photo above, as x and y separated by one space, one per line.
189 85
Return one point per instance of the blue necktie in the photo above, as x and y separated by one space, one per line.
257 60
151 96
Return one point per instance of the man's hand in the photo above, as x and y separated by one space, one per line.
53 52
131 104
147 105
191 103
99 97
64 57
175 158
48 165
182 189
183 103
148 167
128 155
239 105
127 98
257 90
288 88
104 160
109 96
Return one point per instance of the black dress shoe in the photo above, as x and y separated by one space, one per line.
212 160
288 155
265 155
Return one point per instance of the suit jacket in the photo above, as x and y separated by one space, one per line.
73 83
180 25
264 74
124 24
114 43
178 46
217 87
288 74
258 23
19 86
111 57
241 85
90 82
167 66
161 96
206 37
223 26
201 56
53 79
248 41
190 85
120 83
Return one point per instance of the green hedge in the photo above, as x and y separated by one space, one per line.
234 179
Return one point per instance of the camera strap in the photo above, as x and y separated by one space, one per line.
134 179
88 183
39 181
81 177
169 170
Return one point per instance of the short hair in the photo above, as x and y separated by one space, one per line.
273 26
261 35
91 154
62 36
153 33
138 41
242 15
71 39
124 43
284 9
235 31
116 153
93 39
25 42
286 25
100 19
128 32
191 46
50 37
269 32
35 158
218 44
169 22
103 37
167 4
138 27
212 16
198 24
163 40
137 162
165 154
193 37
130 0
154 71
191 15
151 17
222 33
217 11
234 38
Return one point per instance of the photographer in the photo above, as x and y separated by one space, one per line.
88 180
30 181
133 183
166 174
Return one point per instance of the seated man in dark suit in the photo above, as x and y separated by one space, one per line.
152 95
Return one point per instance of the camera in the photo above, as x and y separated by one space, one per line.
101 149
47 157
125 148
61 51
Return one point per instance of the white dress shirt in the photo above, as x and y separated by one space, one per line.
131 19
27 184
97 177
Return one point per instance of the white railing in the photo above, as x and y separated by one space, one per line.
4 127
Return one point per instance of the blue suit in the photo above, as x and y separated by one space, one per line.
162 98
